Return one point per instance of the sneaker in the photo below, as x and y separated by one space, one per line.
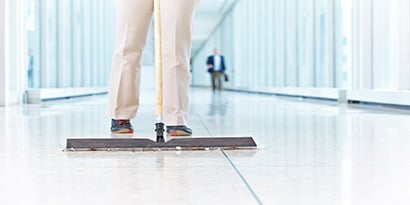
121 126
180 130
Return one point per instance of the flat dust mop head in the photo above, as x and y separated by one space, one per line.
132 144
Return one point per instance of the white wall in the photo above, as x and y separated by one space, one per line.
17 51
13 51
2 53
404 39
381 45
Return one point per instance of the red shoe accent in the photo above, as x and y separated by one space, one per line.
174 133
120 122
130 131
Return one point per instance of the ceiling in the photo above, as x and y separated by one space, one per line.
207 18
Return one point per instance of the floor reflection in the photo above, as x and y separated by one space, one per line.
311 151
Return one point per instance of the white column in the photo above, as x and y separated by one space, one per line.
12 56
3 77
331 45
279 42
362 45
355 45
291 52
404 53
310 43
16 50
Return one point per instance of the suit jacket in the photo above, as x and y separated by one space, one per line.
210 61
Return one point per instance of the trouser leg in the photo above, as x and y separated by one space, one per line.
219 81
216 80
132 25
176 16
213 80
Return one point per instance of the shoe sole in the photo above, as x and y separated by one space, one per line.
179 133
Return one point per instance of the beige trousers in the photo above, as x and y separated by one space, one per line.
216 80
132 25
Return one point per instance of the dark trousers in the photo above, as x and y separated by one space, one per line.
217 80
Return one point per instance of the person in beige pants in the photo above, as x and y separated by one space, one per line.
132 26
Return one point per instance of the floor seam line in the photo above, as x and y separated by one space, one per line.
248 186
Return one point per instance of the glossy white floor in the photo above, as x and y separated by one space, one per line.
310 153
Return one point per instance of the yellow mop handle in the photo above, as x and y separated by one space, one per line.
158 58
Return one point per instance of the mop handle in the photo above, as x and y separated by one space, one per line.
158 59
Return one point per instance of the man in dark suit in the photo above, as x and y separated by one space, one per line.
216 67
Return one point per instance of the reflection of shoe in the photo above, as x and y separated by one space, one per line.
180 130
121 126
122 135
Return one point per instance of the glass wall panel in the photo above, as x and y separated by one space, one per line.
64 37
49 47
269 43
343 44
362 45
260 11
78 43
87 44
291 74
228 49
70 42
279 43
236 55
321 43
385 43
32 44
305 43
404 26
95 44
252 42
244 43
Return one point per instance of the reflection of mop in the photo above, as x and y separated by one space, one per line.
187 143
